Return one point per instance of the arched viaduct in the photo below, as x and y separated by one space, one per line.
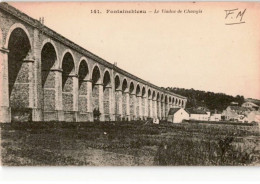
46 77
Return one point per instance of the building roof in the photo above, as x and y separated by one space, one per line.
251 103
205 109
172 111
234 103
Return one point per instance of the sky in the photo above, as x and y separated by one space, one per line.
186 50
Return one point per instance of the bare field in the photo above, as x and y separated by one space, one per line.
128 144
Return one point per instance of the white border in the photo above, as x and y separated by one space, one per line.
119 175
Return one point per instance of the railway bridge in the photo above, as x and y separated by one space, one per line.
46 77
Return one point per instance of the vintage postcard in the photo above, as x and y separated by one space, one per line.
130 83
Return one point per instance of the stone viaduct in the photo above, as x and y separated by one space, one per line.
46 77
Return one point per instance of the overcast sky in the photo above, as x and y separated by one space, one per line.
186 50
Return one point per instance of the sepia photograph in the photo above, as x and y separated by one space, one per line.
129 83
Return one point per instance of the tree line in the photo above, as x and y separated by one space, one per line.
210 100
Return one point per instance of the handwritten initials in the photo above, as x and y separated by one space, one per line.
234 16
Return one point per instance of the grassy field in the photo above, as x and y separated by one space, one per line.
128 144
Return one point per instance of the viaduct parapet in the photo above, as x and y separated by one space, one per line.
46 77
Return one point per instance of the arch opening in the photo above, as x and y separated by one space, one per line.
154 106
118 98
154 96
158 97
149 93
96 77
166 106
19 73
83 72
131 89
107 80
143 92
124 99
68 69
124 86
162 106
158 105
149 103
107 94
117 82
138 90
138 101
132 101
143 102
83 90
19 47
48 60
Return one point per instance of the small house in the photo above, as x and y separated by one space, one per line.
177 115
251 105
234 113
198 115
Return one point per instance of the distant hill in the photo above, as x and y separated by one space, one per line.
210 100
